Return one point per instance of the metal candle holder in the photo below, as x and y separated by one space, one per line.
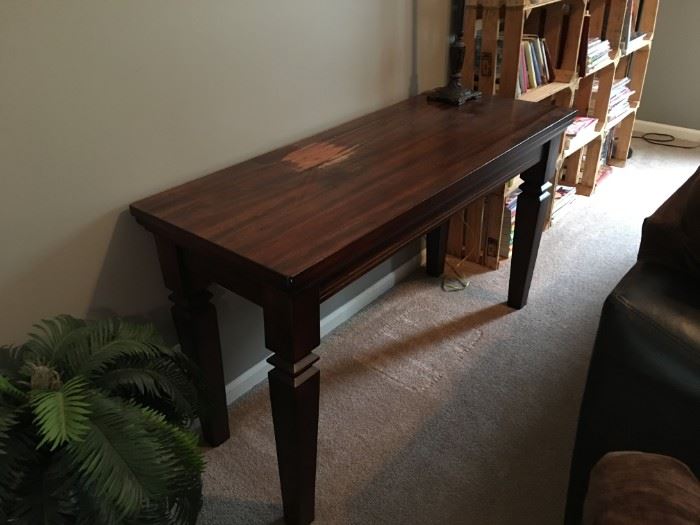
454 93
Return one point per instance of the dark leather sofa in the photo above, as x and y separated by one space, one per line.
643 386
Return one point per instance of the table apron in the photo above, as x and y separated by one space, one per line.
404 230
350 264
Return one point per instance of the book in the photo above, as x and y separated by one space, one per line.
583 45
484 60
523 69
532 79
535 62
580 124
540 59
578 127
550 63
627 30
619 98
631 35
563 196
635 41
545 66
597 54
508 224
536 65
606 148
538 55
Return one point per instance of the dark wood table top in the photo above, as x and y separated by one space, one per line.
292 214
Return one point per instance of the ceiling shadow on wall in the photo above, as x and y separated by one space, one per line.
130 283
108 266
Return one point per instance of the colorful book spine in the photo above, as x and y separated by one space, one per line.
536 65
523 68
530 65
550 63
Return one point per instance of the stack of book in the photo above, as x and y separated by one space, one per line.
606 150
630 35
484 61
597 54
536 65
578 128
563 196
508 224
619 98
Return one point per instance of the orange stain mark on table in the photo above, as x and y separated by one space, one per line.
318 155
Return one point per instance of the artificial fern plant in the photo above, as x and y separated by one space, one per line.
92 427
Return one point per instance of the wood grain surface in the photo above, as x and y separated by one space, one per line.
302 213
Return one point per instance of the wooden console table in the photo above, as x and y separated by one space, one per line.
289 229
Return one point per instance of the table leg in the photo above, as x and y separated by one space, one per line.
529 222
436 249
198 331
292 331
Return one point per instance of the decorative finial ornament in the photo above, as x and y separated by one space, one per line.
454 93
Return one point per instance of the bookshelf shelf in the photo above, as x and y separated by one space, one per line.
526 5
543 92
636 46
581 140
614 122
533 4
610 62
617 163
497 34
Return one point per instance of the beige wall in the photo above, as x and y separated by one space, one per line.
104 102
673 78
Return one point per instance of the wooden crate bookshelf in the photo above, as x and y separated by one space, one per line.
476 231
607 19
494 30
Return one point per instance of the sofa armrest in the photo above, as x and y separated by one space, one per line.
671 236
643 386
632 488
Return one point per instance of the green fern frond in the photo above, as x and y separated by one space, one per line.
184 476
10 390
11 360
107 346
159 380
118 459
145 332
177 376
151 384
182 442
50 335
9 417
62 415
148 334
15 466
99 404
177 356
90 510
44 495
73 351
141 380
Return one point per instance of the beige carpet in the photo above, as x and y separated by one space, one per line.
450 408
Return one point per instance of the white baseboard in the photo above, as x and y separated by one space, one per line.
246 381
644 126
258 373
357 303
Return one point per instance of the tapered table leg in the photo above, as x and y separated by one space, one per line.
292 331
197 329
436 249
529 221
